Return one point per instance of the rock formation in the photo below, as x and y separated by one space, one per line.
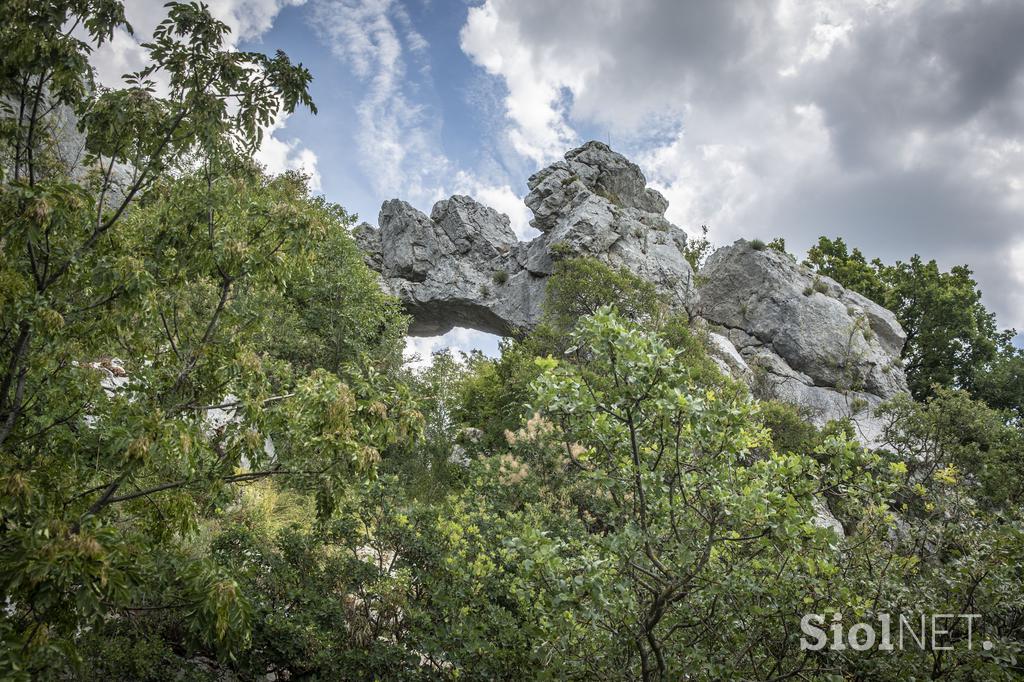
463 266
789 333
801 337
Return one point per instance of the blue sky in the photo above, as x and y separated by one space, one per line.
449 117
897 124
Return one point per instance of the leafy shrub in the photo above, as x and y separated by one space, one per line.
697 250
580 286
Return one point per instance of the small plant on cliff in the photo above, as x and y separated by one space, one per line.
560 250
758 245
608 195
696 251
818 285
500 277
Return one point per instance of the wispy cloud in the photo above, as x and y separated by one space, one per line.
536 83
397 137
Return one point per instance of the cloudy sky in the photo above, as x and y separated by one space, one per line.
897 124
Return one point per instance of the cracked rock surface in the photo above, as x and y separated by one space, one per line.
790 334
804 338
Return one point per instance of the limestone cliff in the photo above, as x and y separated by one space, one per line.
463 266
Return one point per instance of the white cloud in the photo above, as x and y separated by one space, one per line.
280 156
398 138
535 82
724 184
122 54
501 198
1016 293
419 350
511 204
897 125
250 19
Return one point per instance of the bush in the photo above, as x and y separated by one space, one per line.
580 286
697 250
790 431
758 245
500 277
818 285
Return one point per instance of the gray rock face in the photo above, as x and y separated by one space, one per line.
806 338
592 169
456 268
790 334
463 266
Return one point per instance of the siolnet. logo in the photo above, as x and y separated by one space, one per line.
927 632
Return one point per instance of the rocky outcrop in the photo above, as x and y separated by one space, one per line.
463 266
804 338
458 267
790 334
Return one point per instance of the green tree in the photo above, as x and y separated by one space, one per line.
153 250
1001 383
550 557
966 439
681 496
950 334
832 258
325 308
493 395
580 286
697 250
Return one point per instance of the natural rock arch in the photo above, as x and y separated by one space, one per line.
823 347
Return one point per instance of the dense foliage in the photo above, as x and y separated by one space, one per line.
166 247
213 464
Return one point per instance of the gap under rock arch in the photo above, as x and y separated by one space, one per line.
419 350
